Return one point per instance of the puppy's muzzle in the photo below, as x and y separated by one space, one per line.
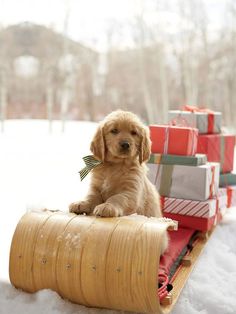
124 145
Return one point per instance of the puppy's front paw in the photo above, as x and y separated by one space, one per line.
80 207
106 210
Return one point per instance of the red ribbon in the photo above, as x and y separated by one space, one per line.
193 133
218 216
229 194
211 117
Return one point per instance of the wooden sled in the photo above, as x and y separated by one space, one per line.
97 262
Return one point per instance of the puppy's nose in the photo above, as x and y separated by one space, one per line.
124 145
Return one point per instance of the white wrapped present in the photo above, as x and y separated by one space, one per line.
206 122
187 182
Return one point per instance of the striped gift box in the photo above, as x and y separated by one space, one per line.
203 209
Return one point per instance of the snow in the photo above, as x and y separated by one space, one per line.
38 169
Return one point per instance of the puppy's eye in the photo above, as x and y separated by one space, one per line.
134 133
114 131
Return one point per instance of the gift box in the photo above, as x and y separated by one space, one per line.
186 182
197 160
206 121
173 140
204 209
231 196
222 200
218 148
227 179
197 223
222 197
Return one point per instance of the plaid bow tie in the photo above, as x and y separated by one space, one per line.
90 163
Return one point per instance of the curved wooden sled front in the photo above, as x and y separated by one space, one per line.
98 262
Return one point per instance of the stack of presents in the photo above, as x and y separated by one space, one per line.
191 166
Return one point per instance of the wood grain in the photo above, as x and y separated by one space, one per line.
98 262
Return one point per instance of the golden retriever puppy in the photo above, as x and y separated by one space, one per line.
119 185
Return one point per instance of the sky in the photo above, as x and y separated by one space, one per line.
87 19
90 20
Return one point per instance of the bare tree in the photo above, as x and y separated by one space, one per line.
3 97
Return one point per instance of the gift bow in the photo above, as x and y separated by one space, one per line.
196 109
208 111
90 163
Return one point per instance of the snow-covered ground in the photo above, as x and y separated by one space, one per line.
40 169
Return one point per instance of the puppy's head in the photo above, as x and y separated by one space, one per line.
121 135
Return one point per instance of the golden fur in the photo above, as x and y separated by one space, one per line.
119 186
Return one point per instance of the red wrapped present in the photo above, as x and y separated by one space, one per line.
231 195
173 140
197 223
218 148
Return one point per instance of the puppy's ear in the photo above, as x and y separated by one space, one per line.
145 146
97 146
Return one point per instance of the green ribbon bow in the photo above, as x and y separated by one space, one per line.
90 163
